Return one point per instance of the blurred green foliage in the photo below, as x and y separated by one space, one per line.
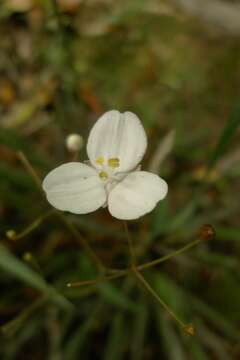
62 64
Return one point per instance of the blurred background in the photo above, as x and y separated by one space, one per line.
176 64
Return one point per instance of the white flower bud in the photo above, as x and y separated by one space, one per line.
74 142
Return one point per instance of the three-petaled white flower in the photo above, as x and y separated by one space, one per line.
116 145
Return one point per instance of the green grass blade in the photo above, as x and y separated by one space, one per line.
139 331
117 334
171 342
116 297
79 340
20 270
226 136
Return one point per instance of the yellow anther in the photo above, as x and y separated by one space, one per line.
100 160
103 175
113 162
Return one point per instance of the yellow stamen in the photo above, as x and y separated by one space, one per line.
113 162
100 160
103 175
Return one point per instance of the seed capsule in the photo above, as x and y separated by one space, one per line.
207 232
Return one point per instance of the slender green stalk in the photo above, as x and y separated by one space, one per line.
34 225
30 170
10 327
130 244
122 273
77 235
31 260
169 256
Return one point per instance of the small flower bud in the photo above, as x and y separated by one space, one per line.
27 256
189 329
11 234
74 142
207 232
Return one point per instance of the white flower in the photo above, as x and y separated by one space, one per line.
116 145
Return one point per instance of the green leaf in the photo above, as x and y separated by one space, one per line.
214 317
117 333
15 324
160 219
217 259
228 233
183 216
83 334
20 270
12 140
139 331
172 345
227 134
197 350
116 297
172 294
212 341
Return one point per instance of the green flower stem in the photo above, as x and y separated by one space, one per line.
63 218
157 297
77 235
118 275
169 256
13 325
22 157
130 244
34 225
121 273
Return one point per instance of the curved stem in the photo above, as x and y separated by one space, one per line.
186 327
70 226
34 225
121 273
169 256
78 236
130 244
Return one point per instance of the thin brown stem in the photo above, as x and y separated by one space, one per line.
121 273
77 235
130 244
169 256
185 327
99 280
10 327
34 225
30 169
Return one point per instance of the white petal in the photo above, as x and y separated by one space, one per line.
136 195
117 135
74 187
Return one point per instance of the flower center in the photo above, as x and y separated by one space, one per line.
107 167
